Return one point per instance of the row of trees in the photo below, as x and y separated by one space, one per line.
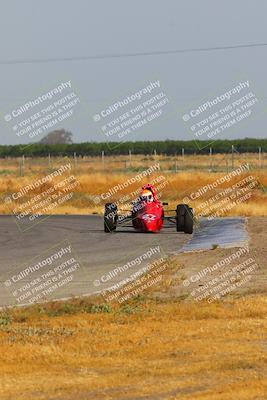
168 147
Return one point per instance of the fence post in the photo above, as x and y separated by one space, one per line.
260 159
211 158
21 166
232 157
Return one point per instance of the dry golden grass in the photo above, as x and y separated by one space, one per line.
96 178
163 350
160 349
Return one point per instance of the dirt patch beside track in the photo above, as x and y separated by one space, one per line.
193 271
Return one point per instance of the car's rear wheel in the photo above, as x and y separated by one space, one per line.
110 217
184 219
180 218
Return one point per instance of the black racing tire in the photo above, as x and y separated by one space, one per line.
188 221
180 211
110 217
184 219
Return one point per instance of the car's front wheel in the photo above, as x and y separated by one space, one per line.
110 217
184 219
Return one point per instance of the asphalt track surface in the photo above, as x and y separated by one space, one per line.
222 232
96 255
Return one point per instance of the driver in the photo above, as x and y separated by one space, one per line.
147 196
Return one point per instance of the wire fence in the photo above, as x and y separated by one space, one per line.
23 166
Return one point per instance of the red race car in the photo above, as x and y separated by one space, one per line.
147 214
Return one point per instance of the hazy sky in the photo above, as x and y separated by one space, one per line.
33 30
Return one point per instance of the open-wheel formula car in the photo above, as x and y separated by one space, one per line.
147 214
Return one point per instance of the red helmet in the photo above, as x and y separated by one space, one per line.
146 195
152 189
